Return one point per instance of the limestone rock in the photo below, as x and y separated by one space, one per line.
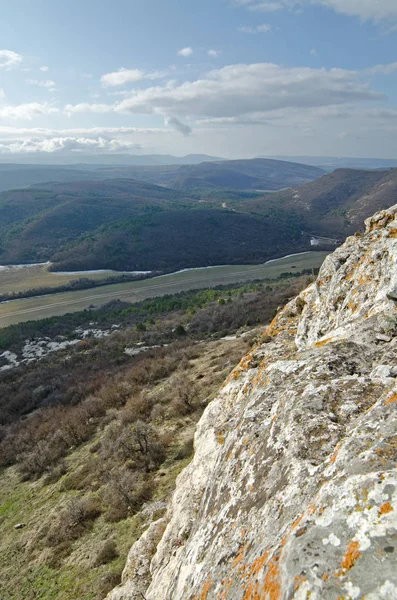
136 574
292 492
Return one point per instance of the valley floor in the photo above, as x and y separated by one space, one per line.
17 311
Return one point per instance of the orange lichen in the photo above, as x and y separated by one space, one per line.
298 580
353 306
206 588
385 509
239 557
351 556
381 221
272 584
259 564
323 342
296 524
335 455
227 585
392 233
392 399
220 437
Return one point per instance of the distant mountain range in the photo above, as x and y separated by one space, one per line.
330 163
93 161
126 224
252 174
84 160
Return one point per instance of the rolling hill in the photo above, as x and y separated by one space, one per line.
131 225
252 174
194 175
335 204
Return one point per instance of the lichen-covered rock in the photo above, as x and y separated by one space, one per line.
292 492
136 574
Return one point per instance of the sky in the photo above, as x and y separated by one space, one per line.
229 78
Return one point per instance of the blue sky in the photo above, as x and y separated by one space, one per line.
225 77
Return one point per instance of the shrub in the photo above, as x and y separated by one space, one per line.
106 553
137 443
74 520
125 493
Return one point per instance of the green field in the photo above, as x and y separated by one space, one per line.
36 276
27 309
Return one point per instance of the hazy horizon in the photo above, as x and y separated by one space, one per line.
228 78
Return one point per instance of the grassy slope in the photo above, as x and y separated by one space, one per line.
24 570
58 304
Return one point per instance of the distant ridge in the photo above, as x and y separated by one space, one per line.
82 160
251 174
329 163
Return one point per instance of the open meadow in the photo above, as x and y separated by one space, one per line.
16 311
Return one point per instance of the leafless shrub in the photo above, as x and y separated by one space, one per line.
125 493
137 443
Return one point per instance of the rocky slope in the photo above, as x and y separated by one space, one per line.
292 492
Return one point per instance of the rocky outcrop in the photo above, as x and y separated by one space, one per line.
292 492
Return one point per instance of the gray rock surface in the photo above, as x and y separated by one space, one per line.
292 492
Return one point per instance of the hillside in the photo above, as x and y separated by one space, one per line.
292 492
129 225
257 174
337 203
253 174
195 173
330 163
126 224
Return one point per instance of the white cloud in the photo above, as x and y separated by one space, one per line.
241 89
258 29
93 132
123 76
386 69
44 69
47 84
9 59
85 107
214 53
67 144
176 124
26 111
186 52
376 10
267 7
2 94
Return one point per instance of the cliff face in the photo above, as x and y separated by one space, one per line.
292 492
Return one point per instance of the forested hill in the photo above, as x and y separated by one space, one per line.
131 225
336 204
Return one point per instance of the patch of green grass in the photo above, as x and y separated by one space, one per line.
59 304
